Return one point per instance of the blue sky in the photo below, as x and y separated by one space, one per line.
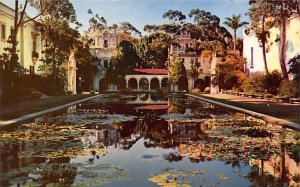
141 12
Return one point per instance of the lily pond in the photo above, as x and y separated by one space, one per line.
145 140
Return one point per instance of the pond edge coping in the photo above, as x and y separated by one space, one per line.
265 117
43 112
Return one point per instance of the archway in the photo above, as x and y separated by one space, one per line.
164 83
199 83
132 83
207 81
103 85
144 84
154 84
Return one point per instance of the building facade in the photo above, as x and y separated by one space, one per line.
253 52
29 39
104 47
189 57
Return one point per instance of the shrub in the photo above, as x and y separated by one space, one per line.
289 89
273 82
256 83
162 91
127 91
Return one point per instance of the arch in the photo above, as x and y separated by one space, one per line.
199 83
144 84
207 81
164 83
103 84
154 84
132 83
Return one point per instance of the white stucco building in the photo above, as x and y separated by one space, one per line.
252 50
29 39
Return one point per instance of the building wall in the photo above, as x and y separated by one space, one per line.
250 43
26 35
104 47
187 57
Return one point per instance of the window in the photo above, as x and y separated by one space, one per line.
106 63
34 42
11 30
3 34
105 44
186 45
251 64
31 70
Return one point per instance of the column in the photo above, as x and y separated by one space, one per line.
126 83
149 84
138 84
159 82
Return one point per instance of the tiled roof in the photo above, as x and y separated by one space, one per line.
152 71
152 107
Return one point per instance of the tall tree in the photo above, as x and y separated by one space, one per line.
258 12
177 73
207 31
60 39
235 23
96 21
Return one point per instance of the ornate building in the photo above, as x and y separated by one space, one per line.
190 57
105 45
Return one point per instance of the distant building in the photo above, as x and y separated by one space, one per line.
104 46
252 50
29 37
188 56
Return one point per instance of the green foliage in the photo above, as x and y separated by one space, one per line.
127 91
174 15
86 70
260 83
255 84
234 23
230 74
207 29
153 50
289 89
177 73
162 92
273 82
295 68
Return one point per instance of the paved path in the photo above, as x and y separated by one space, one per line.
287 111
14 110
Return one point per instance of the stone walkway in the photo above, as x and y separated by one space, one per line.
287 111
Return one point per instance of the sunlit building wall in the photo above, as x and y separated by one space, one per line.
29 39
252 50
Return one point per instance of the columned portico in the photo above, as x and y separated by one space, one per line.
147 79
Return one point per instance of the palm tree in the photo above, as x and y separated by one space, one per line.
234 23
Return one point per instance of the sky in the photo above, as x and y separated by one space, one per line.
141 12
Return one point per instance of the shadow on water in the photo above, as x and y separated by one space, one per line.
112 141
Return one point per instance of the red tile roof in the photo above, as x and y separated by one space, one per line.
152 107
152 71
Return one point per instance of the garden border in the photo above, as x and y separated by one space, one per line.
267 118
43 112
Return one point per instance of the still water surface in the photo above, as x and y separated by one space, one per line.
147 141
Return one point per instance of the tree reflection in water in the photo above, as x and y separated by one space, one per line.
45 158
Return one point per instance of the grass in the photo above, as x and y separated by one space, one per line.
14 110
287 112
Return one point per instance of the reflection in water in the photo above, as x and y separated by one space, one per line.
102 143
